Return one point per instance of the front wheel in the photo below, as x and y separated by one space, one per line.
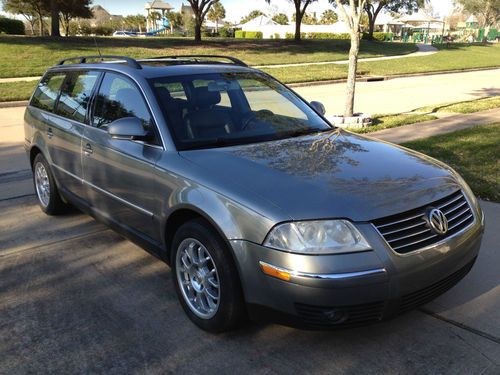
45 187
205 278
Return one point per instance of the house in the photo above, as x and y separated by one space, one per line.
101 16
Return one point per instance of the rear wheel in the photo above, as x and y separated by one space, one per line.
205 278
45 187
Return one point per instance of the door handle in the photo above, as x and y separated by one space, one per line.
50 134
88 149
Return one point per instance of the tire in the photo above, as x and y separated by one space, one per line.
196 285
45 186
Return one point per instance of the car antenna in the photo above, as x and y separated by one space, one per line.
97 47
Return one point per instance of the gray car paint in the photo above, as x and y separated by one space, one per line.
244 191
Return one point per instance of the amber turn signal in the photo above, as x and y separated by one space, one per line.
274 271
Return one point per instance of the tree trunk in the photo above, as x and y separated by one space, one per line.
40 24
298 22
371 26
351 77
54 15
197 30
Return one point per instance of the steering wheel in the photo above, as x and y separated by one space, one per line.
253 117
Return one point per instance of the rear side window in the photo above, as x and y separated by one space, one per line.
46 93
119 97
75 96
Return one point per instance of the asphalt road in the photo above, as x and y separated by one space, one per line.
406 94
77 298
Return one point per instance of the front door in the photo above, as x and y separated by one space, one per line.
120 175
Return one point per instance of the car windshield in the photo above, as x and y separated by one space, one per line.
221 109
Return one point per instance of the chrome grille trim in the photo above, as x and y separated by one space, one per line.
408 231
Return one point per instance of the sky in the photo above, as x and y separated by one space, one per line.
236 9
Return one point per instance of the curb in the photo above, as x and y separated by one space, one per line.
386 78
19 103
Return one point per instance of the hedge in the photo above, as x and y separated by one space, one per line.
11 26
240 34
319 35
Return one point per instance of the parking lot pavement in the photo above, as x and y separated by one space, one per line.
77 298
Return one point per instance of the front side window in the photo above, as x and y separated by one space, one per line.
212 110
46 93
76 94
119 97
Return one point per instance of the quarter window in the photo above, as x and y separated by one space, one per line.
118 97
76 94
46 93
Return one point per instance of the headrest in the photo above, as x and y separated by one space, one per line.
206 98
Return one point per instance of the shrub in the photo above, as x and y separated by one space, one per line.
11 26
102 30
226 32
73 29
240 34
277 36
328 36
254 35
85 28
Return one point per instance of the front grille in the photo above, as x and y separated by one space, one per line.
409 230
344 316
420 297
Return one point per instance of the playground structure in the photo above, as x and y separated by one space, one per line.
472 32
161 24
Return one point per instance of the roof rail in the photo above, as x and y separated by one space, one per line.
198 58
83 60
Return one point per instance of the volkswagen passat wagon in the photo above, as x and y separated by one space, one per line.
258 204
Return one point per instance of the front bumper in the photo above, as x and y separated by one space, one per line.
352 289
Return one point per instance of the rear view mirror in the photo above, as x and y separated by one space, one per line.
318 107
129 128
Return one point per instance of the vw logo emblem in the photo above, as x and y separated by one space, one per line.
437 221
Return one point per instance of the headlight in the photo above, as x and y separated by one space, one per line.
317 237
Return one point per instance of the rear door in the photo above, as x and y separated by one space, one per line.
120 175
68 126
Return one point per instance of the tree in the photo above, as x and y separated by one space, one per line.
175 19
488 11
70 9
300 11
307 19
374 7
31 10
216 14
352 18
250 16
281 19
328 17
200 10
136 22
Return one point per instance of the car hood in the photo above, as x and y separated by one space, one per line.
328 175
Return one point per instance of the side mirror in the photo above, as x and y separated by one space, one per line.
128 128
318 107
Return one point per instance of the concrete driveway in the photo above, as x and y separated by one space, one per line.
77 298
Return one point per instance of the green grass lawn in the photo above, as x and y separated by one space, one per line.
454 58
28 56
20 90
469 106
471 152
391 121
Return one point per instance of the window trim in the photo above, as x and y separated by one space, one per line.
158 135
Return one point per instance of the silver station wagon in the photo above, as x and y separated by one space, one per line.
261 207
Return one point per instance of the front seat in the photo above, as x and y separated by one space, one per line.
207 121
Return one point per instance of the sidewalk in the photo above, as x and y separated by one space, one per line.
423 50
435 127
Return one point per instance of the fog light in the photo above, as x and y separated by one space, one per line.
274 271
